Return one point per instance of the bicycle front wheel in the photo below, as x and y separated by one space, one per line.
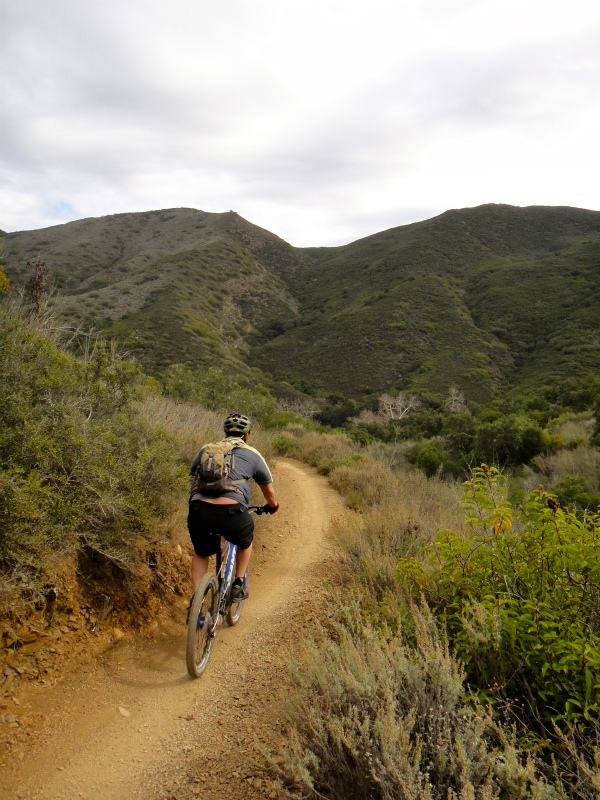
203 615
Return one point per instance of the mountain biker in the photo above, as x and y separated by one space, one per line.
227 514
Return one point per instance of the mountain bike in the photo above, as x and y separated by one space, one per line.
211 605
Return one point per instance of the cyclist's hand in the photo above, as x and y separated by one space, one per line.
267 509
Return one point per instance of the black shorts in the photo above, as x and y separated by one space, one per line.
207 521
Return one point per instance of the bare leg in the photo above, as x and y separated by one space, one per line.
241 562
199 569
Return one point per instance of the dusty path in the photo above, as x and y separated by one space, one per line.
132 724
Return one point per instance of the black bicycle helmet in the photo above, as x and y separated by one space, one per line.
237 423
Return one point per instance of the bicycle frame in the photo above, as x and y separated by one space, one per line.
224 571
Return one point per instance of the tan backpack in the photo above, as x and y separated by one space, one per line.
215 467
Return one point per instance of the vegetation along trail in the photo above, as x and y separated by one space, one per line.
131 724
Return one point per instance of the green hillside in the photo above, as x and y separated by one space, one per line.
481 298
484 299
171 286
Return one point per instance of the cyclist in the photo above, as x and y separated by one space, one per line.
227 514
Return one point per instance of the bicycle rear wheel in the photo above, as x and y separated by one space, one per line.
203 615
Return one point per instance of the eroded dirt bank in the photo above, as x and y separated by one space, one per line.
130 724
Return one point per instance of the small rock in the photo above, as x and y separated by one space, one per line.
118 633
25 635
124 711
33 647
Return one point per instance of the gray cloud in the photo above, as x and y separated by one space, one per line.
124 106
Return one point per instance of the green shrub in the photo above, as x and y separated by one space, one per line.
285 445
216 390
77 462
573 492
509 440
430 458
520 593
595 437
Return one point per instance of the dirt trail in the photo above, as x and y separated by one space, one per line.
133 725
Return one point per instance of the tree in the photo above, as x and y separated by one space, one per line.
456 401
397 407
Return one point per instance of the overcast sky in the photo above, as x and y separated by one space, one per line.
320 121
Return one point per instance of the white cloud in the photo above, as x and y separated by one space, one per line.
320 121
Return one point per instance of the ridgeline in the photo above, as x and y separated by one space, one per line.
485 299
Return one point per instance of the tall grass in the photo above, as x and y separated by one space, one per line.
584 461
193 426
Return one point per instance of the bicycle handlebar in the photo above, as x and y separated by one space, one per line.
266 509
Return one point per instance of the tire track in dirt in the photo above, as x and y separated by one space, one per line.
133 725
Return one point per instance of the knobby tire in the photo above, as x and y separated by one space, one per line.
203 614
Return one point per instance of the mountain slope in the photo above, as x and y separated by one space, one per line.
481 298
478 298
172 286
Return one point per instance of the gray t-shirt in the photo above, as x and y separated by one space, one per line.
247 463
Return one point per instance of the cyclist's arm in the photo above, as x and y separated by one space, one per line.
269 494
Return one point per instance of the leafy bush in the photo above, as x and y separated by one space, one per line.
521 600
595 437
78 465
216 390
285 445
509 440
573 491
338 411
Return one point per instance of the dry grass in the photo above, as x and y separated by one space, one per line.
377 719
194 426
584 461
574 426
401 511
